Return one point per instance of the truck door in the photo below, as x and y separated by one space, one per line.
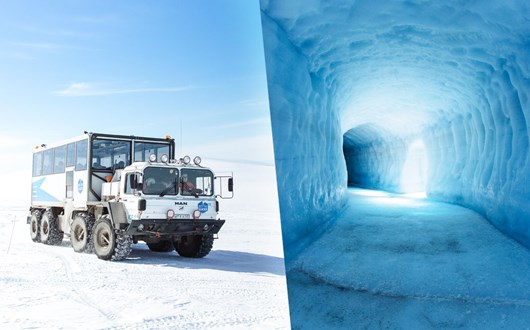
130 192
69 186
68 201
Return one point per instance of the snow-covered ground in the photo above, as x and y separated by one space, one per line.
396 262
240 284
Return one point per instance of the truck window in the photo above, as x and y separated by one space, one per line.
80 156
47 162
69 184
196 182
158 180
128 189
110 154
142 150
70 154
60 155
37 164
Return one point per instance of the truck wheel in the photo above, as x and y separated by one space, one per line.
194 246
34 225
49 233
81 236
107 244
162 246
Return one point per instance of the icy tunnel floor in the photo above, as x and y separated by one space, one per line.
400 262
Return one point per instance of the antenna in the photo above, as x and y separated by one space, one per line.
180 136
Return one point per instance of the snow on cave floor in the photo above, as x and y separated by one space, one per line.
392 261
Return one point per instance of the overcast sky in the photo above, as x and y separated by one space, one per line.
133 67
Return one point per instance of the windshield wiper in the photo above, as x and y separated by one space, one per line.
168 189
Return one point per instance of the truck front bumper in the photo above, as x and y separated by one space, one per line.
173 227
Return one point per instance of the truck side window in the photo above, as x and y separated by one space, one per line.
81 151
47 162
142 150
110 154
37 164
70 154
128 189
60 153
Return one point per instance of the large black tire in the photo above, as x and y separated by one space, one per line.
81 233
34 225
162 246
49 232
107 244
194 246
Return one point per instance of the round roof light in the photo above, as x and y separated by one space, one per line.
164 158
186 160
197 160
152 158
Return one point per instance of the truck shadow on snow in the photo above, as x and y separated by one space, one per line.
224 260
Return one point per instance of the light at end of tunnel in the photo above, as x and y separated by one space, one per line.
397 200
371 193
415 169
417 195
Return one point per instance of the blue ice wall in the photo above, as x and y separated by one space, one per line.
356 81
311 171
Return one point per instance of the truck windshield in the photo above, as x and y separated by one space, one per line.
196 182
160 181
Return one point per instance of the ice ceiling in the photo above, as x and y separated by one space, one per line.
359 88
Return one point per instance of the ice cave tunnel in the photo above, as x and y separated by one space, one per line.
401 96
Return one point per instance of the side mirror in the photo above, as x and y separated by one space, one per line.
231 184
142 205
224 186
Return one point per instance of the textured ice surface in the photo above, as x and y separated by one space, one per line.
393 262
381 75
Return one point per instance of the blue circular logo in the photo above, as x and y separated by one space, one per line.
203 207
80 185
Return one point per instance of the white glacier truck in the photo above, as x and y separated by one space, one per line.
106 192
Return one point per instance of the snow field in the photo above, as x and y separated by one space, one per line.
239 285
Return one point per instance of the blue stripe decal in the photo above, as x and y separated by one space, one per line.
37 194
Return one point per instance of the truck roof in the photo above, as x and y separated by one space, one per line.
91 135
